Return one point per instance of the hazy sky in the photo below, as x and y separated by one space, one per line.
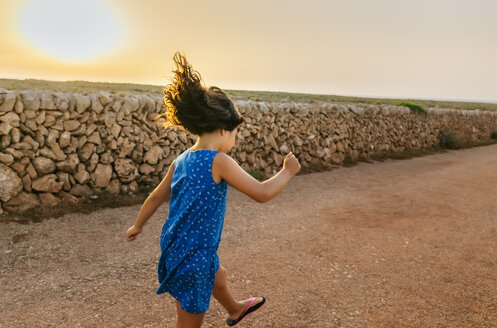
437 49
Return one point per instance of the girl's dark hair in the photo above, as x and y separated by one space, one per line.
197 109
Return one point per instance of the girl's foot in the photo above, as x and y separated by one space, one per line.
243 306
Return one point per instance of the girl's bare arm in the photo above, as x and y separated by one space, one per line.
160 194
244 182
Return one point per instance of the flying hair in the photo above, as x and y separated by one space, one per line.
193 107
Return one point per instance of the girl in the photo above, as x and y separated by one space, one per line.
196 187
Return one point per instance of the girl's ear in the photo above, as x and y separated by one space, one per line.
222 131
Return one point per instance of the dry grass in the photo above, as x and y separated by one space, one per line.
267 96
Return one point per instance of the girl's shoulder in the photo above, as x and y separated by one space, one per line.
219 163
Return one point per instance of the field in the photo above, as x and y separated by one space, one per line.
267 96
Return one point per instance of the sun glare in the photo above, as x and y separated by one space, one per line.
75 30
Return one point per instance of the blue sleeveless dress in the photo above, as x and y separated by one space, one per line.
192 231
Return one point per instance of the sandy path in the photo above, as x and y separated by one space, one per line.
410 243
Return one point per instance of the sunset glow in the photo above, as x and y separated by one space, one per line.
75 30
423 49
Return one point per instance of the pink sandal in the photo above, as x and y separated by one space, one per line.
250 309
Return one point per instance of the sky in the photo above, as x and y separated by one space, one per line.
419 49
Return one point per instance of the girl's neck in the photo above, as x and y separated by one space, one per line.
205 143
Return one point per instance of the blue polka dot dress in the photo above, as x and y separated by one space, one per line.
192 231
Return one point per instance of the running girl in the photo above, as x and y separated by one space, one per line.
196 186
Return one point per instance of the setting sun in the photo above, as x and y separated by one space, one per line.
74 30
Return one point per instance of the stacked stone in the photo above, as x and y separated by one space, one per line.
65 147
62 147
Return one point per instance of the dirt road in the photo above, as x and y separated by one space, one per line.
409 243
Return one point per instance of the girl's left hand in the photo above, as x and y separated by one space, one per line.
132 233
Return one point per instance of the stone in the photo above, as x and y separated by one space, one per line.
95 138
16 153
96 105
146 169
31 124
22 202
44 165
11 183
82 102
133 186
126 148
82 141
337 158
20 166
284 149
272 142
19 106
126 170
91 128
47 183
62 101
86 151
31 171
105 98
69 165
182 137
320 153
137 154
28 114
65 139
40 119
48 200
80 190
52 137
94 160
147 103
82 176
9 99
115 129
11 118
59 154
297 141
64 177
114 187
15 133
130 105
101 148
26 182
106 157
153 155
48 153
102 175
68 198
71 125
241 156
7 159
30 100
278 159
58 126
47 101
22 145
5 128
34 145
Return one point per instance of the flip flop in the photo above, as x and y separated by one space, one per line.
250 309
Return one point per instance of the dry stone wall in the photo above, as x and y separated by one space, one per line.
60 147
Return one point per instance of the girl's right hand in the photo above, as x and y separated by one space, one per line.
291 163
132 233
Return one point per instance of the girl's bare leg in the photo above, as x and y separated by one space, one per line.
222 294
186 319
